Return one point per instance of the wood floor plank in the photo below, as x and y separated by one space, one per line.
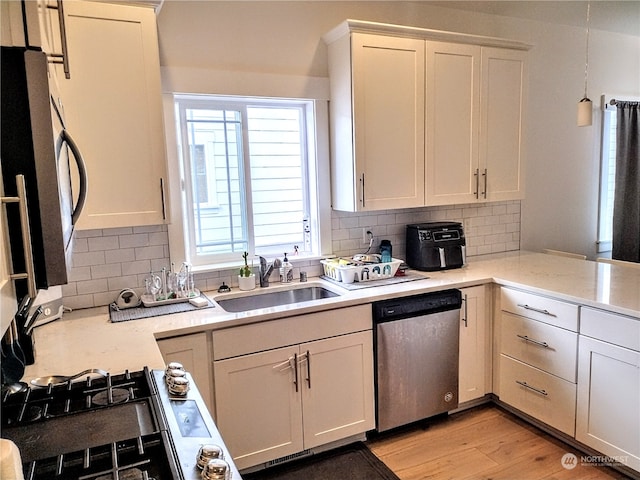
484 443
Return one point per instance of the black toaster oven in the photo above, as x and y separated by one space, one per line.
435 246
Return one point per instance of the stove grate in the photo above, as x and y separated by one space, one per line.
143 457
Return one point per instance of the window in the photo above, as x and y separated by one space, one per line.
248 177
607 179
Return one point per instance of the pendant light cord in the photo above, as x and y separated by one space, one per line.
586 61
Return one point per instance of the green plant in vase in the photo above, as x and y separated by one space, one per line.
246 270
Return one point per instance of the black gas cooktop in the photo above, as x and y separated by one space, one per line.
99 429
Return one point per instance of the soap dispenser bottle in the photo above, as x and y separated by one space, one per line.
286 270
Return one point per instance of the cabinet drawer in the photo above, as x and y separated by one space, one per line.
546 397
257 337
611 327
537 307
541 345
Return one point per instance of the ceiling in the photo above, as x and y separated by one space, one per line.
609 15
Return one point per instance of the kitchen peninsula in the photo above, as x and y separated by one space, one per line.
607 297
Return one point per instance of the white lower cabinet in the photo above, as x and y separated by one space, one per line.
474 336
192 351
281 401
537 358
608 413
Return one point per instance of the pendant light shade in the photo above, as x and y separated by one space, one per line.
585 112
585 107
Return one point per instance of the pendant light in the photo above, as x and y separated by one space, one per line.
585 108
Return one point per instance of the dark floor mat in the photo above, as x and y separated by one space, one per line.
353 462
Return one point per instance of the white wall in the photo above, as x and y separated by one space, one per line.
232 42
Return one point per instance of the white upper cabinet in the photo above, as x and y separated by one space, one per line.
113 108
475 105
502 105
377 111
422 117
453 123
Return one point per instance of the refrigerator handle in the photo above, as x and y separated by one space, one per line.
65 137
21 200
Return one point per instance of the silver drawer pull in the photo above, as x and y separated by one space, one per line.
539 310
537 390
531 340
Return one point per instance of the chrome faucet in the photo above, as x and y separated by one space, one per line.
265 270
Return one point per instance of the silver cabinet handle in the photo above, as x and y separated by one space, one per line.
464 319
538 310
21 200
307 357
162 197
295 370
531 340
537 390
362 190
485 183
477 175
63 57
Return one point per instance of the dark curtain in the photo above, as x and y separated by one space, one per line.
626 203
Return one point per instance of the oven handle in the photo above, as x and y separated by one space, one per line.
63 138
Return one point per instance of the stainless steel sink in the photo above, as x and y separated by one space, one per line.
273 299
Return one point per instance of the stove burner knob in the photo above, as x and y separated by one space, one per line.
174 366
209 452
172 374
216 469
178 386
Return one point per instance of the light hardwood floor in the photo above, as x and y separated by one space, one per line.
487 443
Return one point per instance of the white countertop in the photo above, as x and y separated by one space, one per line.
87 339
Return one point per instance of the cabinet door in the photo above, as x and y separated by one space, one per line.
608 417
192 352
113 109
337 388
453 121
258 407
472 378
501 147
388 121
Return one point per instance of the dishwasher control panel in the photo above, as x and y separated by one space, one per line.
415 305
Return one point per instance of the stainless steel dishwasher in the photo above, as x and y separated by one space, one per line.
416 352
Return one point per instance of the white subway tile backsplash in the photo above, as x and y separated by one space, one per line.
134 240
103 243
106 271
87 259
92 286
106 261
123 255
137 267
150 252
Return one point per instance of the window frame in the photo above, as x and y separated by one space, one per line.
317 140
604 242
